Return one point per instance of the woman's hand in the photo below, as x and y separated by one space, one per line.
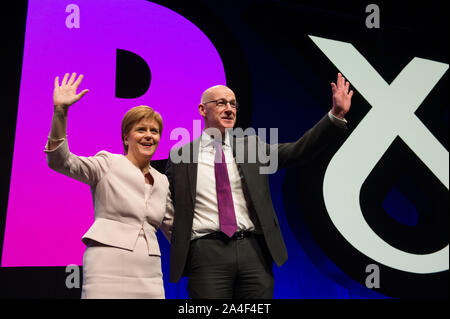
66 94
63 97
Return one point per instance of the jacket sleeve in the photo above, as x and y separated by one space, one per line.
89 170
170 177
167 222
310 145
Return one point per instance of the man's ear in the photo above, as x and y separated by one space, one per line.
202 110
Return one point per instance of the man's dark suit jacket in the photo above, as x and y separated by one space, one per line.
183 182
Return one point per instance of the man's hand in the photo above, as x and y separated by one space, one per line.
66 94
341 97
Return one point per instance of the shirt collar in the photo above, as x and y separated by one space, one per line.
206 139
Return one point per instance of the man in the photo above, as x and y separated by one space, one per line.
226 235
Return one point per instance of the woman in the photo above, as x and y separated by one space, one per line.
131 200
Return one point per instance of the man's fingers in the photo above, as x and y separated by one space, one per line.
347 86
333 87
350 94
339 80
57 82
72 78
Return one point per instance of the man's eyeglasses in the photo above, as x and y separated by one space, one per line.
223 103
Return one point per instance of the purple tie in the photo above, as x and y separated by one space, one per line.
227 216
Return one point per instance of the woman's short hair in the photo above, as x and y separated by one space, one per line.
134 116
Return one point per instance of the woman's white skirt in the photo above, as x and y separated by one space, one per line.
111 272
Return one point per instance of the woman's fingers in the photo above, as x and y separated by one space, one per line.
69 82
78 81
82 93
72 78
64 81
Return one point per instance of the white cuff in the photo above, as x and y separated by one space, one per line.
337 121
61 141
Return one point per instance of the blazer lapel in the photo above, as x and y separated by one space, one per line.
192 167
247 171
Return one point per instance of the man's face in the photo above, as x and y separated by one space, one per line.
218 115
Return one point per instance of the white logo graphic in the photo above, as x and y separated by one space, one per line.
391 115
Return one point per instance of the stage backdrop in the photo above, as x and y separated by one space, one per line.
366 219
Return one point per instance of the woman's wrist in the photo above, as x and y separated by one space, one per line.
60 110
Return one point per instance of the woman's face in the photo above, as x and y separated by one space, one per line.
143 139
